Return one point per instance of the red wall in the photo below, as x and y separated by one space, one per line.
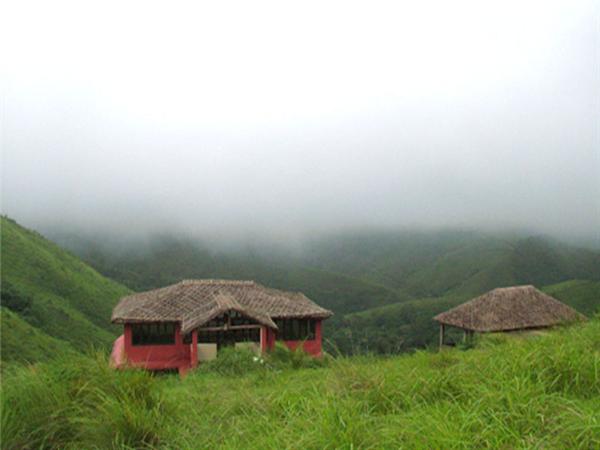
158 357
184 356
312 347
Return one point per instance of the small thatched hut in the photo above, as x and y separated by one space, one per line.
507 309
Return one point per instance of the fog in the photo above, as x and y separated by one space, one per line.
279 119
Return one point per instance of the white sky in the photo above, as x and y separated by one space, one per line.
294 116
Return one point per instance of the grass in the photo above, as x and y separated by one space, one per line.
532 391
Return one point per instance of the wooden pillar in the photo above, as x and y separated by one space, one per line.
441 335
263 339
271 341
317 350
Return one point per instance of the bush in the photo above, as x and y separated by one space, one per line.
234 361
281 357
13 299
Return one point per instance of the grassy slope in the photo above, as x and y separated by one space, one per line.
583 295
54 292
538 391
340 292
23 343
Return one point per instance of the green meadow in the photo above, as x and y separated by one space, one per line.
538 390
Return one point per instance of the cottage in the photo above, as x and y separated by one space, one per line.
507 309
176 326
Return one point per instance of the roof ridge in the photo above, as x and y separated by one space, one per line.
519 286
216 281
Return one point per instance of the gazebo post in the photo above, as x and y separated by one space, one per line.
468 336
441 335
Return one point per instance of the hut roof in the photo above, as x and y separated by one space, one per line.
195 302
509 308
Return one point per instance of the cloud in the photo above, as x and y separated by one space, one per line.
273 118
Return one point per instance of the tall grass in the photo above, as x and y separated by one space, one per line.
527 392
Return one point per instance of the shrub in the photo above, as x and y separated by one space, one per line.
281 357
234 361
13 299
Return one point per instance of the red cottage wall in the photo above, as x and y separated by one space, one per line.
313 347
185 356
159 357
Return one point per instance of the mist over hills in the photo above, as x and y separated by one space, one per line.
383 286
418 263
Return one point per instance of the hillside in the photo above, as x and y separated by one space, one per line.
583 295
23 343
392 328
434 264
376 267
53 298
167 259
534 391
418 274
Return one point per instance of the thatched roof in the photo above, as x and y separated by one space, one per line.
510 308
195 302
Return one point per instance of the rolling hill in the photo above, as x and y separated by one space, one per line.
169 259
50 299
354 272
583 295
434 264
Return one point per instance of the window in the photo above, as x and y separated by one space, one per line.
159 333
295 329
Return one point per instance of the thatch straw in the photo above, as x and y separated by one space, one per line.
195 302
510 308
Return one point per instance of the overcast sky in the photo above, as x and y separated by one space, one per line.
287 117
